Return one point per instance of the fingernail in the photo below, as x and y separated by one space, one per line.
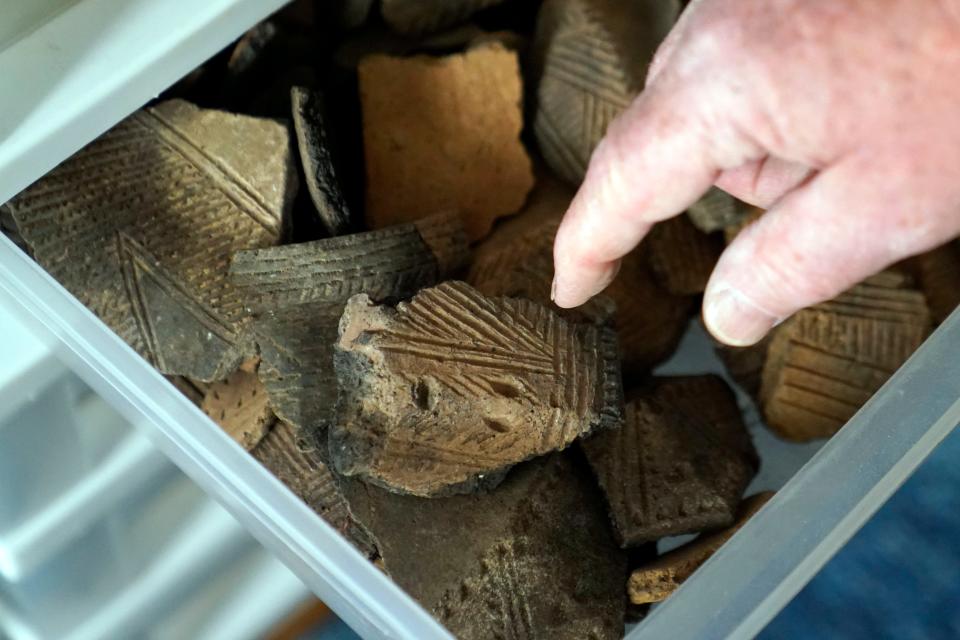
553 289
734 319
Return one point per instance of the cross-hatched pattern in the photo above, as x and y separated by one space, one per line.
827 361
465 387
296 464
140 226
590 71
665 473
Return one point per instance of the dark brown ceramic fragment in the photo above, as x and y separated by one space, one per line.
681 256
416 17
239 404
445 393
318 169
717 210
443 134
591 57
657 580
825 362
938 274
708 399
297 293
296 464
140 226
669 471
533 559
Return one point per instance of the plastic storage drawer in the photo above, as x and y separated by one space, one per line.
73 69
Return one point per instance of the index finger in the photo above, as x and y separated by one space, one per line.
656 159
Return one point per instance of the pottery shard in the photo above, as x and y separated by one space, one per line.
533 559
517 261
671 469
140 226
296 464
318 169
444 134
682 256
591 57
657 580
297 293
938 274
445 393
239 405
709 399
826 361
717 210
416 17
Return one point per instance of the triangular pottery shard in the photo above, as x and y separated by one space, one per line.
657 580
591 57
443 133
825 362
671 471
140 226
318 169
296 464
533 559
297 293
445 393
416 17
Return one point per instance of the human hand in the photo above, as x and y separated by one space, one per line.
842 117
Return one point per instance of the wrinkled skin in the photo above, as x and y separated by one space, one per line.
841 116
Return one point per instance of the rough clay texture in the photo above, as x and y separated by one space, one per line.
825 362
297 293
534 559
416 17
445 393
443 133
239 404
938 274
717 210
318 169
673 469
591 58
296 464
517 261
140 226
656 581
681 256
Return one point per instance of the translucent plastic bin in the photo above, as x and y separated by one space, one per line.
98 60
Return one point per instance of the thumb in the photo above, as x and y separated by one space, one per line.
849 222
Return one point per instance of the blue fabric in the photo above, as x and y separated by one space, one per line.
899 577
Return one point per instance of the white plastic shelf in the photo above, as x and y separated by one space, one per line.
101 536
